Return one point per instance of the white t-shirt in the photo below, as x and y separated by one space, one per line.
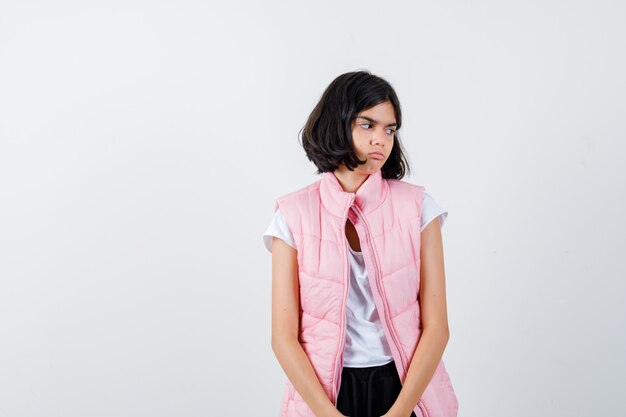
366 344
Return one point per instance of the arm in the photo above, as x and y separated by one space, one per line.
285 322
435 335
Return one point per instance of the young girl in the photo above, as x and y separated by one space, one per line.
357 269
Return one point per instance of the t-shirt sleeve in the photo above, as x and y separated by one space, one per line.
431 210
278 227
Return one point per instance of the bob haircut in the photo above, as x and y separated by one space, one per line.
327 134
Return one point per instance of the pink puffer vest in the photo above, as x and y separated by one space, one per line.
387 215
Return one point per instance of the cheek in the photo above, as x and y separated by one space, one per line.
360 142
360 148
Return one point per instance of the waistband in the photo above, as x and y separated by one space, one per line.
388 369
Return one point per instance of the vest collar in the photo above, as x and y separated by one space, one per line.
368 196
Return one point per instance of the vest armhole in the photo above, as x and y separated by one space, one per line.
286 216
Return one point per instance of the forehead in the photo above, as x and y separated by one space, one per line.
381 113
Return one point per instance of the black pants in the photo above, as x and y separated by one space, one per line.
368 392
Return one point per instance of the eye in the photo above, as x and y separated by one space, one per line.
390 131
365 124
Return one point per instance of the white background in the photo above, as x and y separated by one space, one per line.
142 145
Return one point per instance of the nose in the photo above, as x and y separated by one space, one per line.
379 137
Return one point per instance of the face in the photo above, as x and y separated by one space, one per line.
373 133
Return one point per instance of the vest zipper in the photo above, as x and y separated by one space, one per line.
380 289
342 336
378 286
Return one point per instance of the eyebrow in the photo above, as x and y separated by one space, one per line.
375 121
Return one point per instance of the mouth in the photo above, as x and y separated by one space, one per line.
376 155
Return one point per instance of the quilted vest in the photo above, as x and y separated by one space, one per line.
386 214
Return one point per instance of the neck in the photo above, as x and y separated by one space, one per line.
350 181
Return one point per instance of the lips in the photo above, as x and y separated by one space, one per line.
376 155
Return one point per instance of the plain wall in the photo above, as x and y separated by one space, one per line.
142 145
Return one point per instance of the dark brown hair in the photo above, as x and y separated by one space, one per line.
327 134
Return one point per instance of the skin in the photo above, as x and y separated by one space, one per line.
368 136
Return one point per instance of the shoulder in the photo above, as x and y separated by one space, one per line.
402 191
302 194
279 228
430 201
403 185
431 210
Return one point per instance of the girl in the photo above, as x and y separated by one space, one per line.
357 269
